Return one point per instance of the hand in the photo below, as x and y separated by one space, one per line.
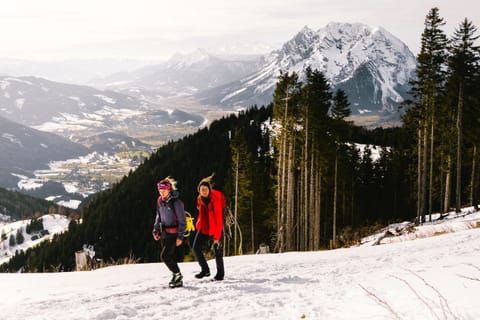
156 235
216 246
179 242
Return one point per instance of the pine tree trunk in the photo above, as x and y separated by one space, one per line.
473 200
419 175
305 186
301 206
430 182
279 199
317 190
281 182
344 203
252 224
442 187
424 172
290 198
352 204
311 204
458 202
335 188
236 203
448 183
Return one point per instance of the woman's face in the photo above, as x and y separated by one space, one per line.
164 193
204 191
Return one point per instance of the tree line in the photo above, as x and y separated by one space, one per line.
444 117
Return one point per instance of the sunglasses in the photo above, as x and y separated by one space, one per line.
163 186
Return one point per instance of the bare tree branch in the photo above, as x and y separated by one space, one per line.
469 278
419 297
443 300
381 302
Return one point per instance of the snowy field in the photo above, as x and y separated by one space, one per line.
431 277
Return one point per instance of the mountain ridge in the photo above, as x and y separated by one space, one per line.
18 143
337 50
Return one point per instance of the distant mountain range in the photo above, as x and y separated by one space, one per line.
370 64
182 75
23 150
80 111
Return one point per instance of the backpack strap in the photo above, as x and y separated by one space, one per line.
171 205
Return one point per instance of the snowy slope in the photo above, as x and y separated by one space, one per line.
429 278
54 223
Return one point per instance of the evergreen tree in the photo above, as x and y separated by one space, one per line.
285 112
19 237
463 68
12 242
242 171
427 90
339 111
316 102
340 107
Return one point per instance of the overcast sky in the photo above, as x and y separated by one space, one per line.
156 29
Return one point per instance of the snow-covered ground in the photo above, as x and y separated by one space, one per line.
435 277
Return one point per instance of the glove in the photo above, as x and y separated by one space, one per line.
216 247
156 235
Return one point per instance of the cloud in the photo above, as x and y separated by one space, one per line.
88 28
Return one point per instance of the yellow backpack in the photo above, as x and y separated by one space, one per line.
190 226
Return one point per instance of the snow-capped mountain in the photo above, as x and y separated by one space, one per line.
370 64
75 110
183 74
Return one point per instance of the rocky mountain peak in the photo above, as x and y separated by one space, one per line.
353 56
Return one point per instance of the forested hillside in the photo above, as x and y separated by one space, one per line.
19 206
118 222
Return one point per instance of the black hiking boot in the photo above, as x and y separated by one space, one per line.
176 280
202 274
218 277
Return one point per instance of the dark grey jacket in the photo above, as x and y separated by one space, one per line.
171 214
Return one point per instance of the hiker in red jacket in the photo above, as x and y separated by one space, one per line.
210 205
169 226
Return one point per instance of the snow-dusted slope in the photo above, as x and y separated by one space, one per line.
371 64
54 223
429 278
75 110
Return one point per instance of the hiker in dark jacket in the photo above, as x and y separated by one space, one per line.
210 205
169 226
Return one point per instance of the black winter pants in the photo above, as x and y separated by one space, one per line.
169 252
198 244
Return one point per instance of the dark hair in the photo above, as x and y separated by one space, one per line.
207 181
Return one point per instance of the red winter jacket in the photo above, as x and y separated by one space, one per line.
210 219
